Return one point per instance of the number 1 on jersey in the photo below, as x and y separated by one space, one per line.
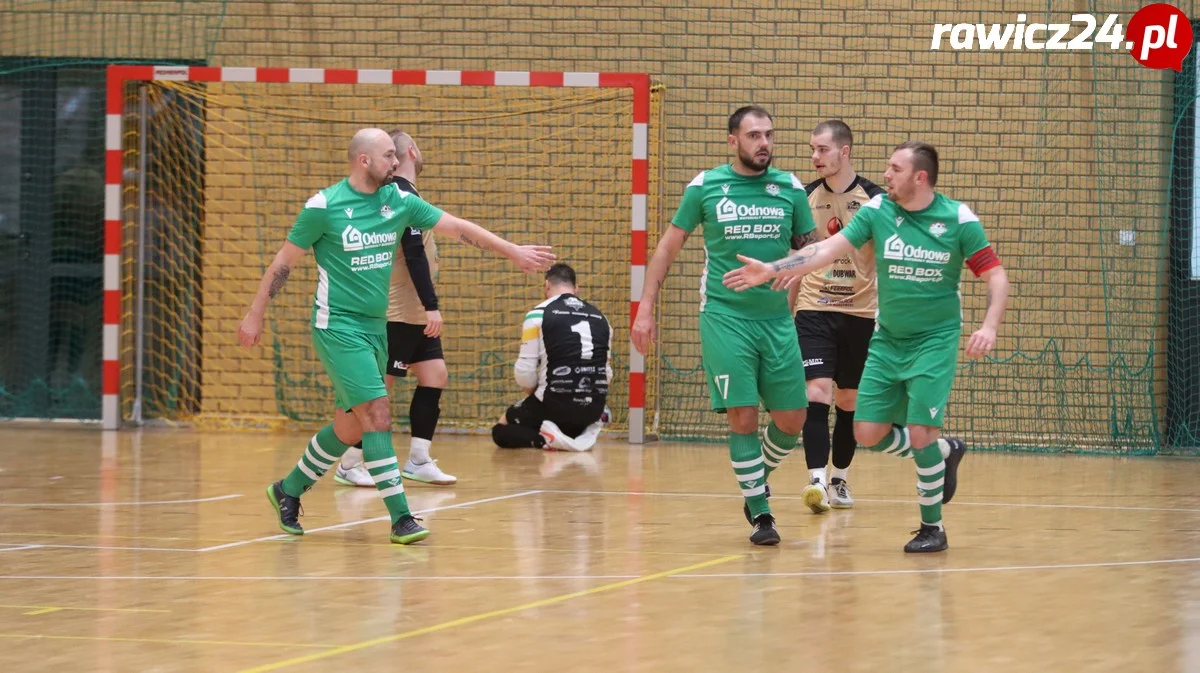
722 381
585 339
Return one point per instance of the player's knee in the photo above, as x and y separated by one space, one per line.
376 416
743 420
432 374
790 422
821 390
347 428
922 435
870 434
846 399
498 431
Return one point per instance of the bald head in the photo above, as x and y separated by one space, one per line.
364 141
372 159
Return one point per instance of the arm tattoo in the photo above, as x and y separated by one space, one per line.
800 241
796 259
470 241
281 276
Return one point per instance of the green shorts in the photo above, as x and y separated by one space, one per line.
745 360
908 381
354 362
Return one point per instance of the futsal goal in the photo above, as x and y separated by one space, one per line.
207 167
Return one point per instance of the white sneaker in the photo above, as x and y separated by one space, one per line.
427 473
815 497
839 495
587 439
557 439
355 476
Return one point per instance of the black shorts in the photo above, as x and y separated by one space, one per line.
571 418
408 345
834 346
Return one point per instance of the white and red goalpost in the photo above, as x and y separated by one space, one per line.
119 75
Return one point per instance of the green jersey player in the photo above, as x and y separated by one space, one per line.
922 239
353 230
748 342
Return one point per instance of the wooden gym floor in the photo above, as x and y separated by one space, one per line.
157 551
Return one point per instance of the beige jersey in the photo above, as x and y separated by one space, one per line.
848 284
404 300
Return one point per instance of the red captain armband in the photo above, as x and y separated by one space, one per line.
982 261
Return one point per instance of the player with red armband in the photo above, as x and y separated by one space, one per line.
922 240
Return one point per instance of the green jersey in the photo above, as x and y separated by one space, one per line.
354 237
919 259
752 215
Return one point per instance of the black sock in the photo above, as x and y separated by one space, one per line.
843 439
816 435
424 411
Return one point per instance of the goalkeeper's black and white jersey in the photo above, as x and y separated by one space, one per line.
566 346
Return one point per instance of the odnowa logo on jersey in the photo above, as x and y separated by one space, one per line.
353 239
728 211
895 248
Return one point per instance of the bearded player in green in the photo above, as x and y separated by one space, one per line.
748 341
353 230
922 240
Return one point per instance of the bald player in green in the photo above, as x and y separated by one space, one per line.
353 229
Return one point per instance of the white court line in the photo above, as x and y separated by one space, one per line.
1049 506
902 502
83 546
354 578
119 504
479 578
926 571
283 536
19 548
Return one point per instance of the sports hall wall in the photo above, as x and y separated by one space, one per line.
1057 152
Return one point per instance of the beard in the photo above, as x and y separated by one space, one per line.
380 176
753 162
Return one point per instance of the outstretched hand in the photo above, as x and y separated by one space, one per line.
752 274
532 258
784 282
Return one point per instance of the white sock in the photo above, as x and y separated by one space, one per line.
351 458
418 451
945 448
818 474
839 473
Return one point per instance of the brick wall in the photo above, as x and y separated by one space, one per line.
1057 152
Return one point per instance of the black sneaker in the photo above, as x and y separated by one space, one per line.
287 507
406 530
929 538
958 449
746 507
764 531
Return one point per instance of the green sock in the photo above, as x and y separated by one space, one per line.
380 461
931 472
776 445
895 443
324 450
747 458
